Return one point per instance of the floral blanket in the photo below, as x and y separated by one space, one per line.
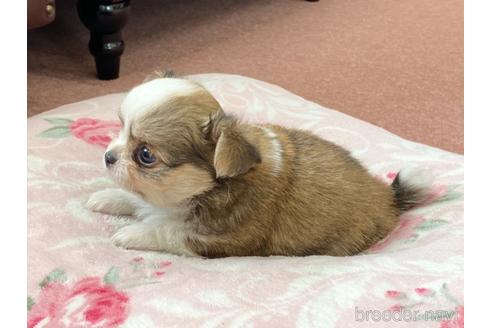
77 278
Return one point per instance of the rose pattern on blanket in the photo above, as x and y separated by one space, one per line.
93 131
65 167
90 301
416 298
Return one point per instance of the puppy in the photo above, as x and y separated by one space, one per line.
201 183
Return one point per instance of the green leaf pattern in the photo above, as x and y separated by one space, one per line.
30 303
111 276
60 130
430 224
56 132
57 275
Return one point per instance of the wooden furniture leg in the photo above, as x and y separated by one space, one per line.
105 19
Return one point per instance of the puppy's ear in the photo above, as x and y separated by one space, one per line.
234 155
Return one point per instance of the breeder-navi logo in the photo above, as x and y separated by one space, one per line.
405 315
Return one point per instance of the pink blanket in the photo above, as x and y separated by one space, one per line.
77 278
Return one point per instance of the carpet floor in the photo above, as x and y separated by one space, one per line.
396 64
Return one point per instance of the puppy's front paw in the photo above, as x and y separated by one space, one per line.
111 201
135 236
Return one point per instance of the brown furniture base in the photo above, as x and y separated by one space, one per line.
105 19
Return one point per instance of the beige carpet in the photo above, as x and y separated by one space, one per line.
396 64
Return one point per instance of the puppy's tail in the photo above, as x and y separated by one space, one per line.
412 186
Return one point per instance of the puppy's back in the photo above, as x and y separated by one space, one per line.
305 196
331 204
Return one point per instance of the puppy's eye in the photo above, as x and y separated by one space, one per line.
145 157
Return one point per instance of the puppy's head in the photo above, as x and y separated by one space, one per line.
175 143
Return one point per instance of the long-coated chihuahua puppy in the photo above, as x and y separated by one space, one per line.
201 183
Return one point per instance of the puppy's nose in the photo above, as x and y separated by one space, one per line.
110 158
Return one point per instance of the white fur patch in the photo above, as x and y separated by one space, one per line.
276 150
167 236
416 177
146 97
152 94
114 201
159 230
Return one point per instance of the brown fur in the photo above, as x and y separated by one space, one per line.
321 201
183 161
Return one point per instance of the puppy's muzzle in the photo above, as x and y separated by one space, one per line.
110 158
